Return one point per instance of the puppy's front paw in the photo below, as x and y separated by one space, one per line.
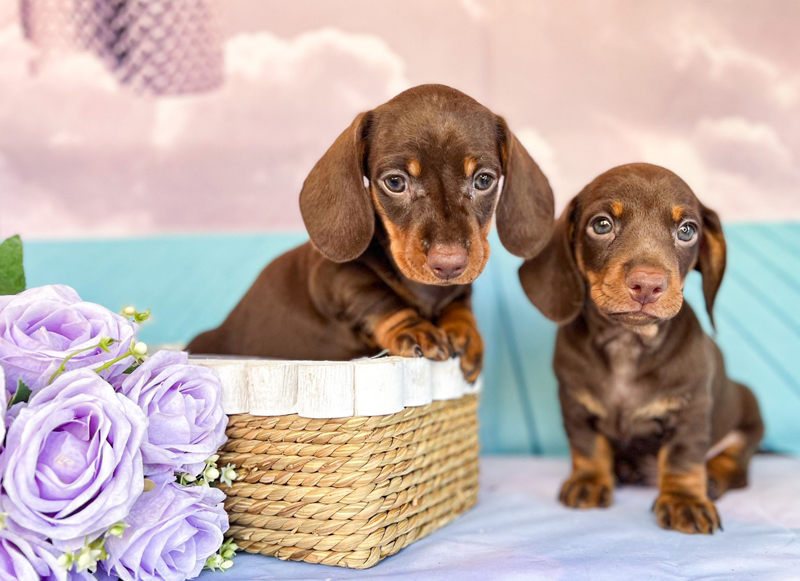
465 341
587 491
686 513
420 339
458 322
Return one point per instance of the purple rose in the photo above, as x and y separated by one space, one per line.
3 407
72 466
25 556
40 327
182 403
173 530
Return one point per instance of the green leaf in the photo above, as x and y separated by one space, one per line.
23 393
142 317
131 369
12 273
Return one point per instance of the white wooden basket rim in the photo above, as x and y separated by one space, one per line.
334 389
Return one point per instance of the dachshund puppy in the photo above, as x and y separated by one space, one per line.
398 211
643 390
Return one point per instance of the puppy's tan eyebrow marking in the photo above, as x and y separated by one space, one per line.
678 212
414 168
616 209
469 165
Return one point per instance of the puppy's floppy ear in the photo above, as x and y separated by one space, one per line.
525 210
711 258
335 205
551 279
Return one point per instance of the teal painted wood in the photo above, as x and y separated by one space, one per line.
192 282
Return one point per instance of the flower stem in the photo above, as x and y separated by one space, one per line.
108 364
63 366
137 350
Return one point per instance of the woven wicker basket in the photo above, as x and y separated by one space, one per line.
350 491
345 463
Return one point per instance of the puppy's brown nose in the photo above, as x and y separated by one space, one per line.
646 286
447 262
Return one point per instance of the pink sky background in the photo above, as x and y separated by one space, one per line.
710 90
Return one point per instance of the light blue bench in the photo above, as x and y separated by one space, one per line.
192 282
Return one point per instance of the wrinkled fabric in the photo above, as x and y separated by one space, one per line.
184 407
41 326
72 466
519 532
173 530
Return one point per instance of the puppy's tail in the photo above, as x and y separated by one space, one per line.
213 342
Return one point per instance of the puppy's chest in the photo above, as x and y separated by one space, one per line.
629 404
428 299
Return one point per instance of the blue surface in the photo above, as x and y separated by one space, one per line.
518 531
192 282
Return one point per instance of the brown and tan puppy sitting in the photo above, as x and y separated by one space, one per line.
398 211
643 389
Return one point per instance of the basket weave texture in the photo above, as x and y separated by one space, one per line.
350 491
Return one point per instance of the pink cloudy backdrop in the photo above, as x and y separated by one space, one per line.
710 90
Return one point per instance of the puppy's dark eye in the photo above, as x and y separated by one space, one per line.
483 181
686 232
395 184
602 226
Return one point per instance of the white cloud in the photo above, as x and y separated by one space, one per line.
538 147
66 139
36 212
544 155
172 115
787 91
730 163
720 55
714 96
745 147
233 158
728 60
475 10
256 55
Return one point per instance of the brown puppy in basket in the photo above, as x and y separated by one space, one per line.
643 389
398 211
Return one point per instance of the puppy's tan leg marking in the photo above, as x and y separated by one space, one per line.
407 334
683 504
725 468
590 402
458 323
591 484
729 459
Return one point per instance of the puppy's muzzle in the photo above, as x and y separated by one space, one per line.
646 286
447 261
